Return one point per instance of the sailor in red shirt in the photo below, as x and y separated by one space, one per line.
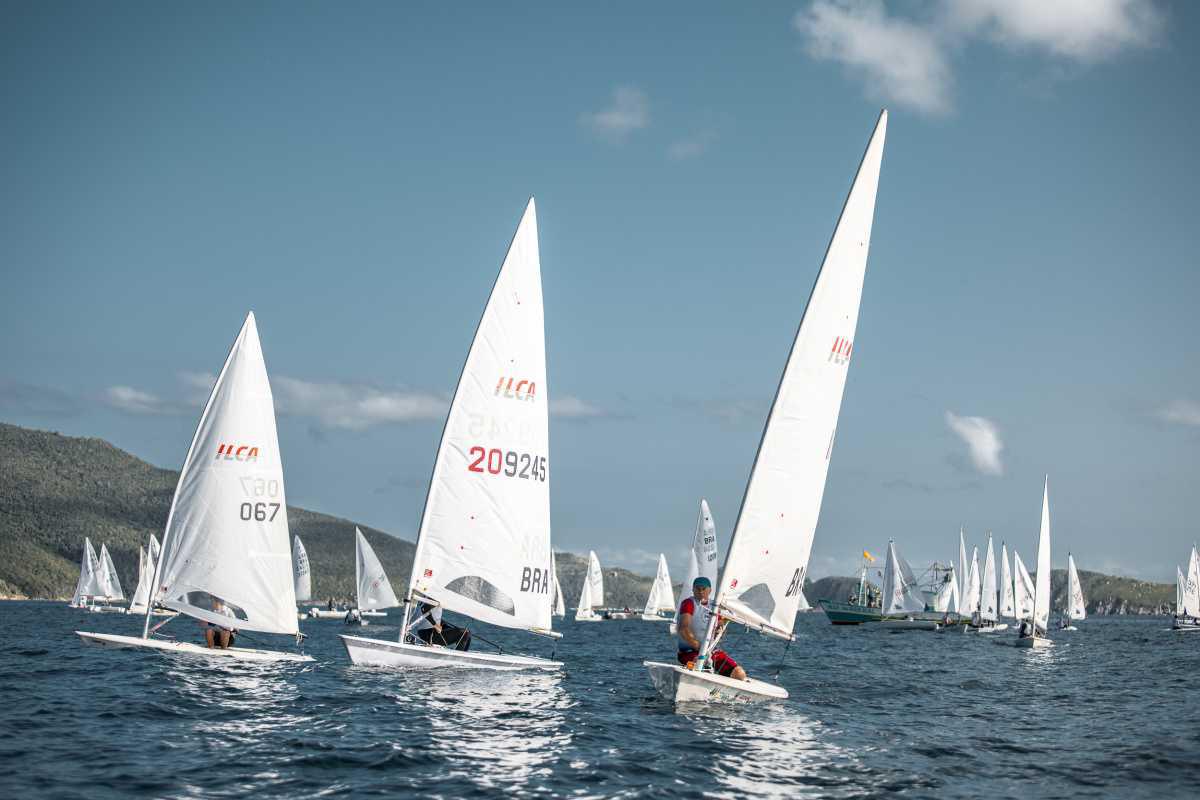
691 621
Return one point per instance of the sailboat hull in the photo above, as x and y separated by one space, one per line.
378 653
1032 642
901 625
324 613
1185 626
373 613
187 648
681 685
656 618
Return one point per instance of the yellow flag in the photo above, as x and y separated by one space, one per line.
868 556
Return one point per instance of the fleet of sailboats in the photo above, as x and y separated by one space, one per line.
1187 600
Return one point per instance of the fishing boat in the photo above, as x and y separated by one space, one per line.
483 546
88 585
1187 608
772 538
857 609
374 591
591 595
902 600
1035 636
1076 610
661 600
225 557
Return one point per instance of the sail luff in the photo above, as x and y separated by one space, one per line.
772 536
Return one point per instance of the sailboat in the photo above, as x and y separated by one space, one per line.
662 597
147 559
964 573
1007 610
110 585
225 557
591 596
374 591
1187 611
772 538
483 546
88 585
988 613
560 608
902 599
1076 610
301 572
1036 635
1023 590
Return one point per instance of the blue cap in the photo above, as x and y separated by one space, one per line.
702 583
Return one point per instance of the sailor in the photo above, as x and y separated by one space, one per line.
430 629
353 617
216 635
692 623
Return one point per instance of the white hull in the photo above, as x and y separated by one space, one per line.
106 609
902 625
618 615
378 653
1002 626
373 613
324 613
591 618
1027 642
657 618
1069 628
1185 626
187 648
682 685
158 612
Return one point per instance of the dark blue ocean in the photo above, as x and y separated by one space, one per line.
1112 711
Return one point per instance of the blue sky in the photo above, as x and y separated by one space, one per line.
353 175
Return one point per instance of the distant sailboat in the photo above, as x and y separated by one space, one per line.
1035 636
1007 607
109 583
1076 610
1187 614
483 545
372 588
902 599
226 558
964 573
88 585
702 558
662 596
772 538
560 608
988 612
591 595
1024 590
301 571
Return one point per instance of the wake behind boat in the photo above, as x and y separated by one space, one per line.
772 538
226 560
483 547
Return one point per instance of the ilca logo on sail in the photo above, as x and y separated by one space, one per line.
237 452
840 352
516 389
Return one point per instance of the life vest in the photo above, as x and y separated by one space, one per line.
700 617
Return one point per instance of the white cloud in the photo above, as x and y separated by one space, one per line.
899 60
982 439
353 406
1080 30
135 401
629 112
572 407
691 146
907 60
1181 412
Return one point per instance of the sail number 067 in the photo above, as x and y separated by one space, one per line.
259 512
512 464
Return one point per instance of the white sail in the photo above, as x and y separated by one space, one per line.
974 592
483 548
964 569
88 584
110 583
946 598
591 596
956 602
227 532
772 539
1041 597
1076 609
1179 581
987 602
560 608
1024 589
1191 587
152 554
804 606
900 592
374 589
1007 610
662 596
301 571
702 559
145 575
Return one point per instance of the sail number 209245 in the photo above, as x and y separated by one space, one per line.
507 462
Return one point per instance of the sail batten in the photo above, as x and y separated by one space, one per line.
772 538
483 547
